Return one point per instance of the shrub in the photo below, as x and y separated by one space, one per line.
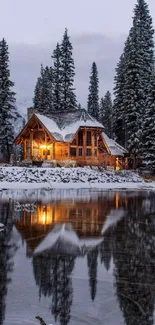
67 163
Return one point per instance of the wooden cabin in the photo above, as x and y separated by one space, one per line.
72 135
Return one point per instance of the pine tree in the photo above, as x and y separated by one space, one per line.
57 79
37 94
138 61
8 111
149 127
67 74
93 97
133 95
105 113
118 108
79 106
43 94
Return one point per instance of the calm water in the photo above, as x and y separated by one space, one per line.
77 257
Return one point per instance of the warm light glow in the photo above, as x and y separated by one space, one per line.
117 164
44 146
117 200
45 217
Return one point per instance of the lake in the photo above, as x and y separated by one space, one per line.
77 257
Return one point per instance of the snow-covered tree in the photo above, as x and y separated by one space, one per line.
67 74
105 113
149 127
79 106
137 65
37 94
133 100
57 79
118 104
43 94
93 96
8 111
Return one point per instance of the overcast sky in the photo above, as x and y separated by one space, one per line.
38 21
98 29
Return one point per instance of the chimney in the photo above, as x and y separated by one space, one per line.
30 112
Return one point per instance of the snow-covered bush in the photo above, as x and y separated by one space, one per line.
49 163
67 163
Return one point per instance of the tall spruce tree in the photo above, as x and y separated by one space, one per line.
105 113
133 99
43 94
67 74
149 128
8 111
37 94
118 125
137 69
57 79
93 96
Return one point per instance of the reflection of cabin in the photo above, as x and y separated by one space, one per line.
72 135
87 218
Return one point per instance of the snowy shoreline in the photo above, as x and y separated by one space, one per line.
70 178
101 186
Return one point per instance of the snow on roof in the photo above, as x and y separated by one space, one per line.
64 126
50 125
64 233
112 219
114 147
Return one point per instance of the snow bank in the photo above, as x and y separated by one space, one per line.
32 178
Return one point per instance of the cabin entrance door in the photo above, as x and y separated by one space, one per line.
46 152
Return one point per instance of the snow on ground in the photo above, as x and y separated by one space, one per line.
33 178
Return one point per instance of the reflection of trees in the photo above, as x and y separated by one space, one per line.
43 274
106 249
7 250
92 260
134 259
53 276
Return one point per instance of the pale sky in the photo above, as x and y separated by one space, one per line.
44 21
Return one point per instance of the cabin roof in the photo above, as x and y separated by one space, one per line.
114 147
63 126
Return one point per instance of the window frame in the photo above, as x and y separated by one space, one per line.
80 139
90 151
88 139
73 148
79 151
